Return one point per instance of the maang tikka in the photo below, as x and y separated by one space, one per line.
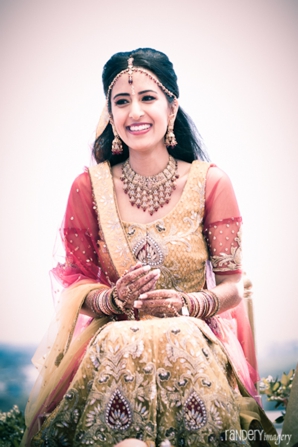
130 69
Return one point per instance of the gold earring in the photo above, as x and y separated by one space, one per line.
117 147
170 138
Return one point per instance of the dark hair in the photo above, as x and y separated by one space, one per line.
187 136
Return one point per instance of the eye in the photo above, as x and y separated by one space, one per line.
121 102
148 98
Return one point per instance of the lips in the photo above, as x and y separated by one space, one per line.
139 127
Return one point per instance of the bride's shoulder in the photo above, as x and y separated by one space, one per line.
183 168
117 171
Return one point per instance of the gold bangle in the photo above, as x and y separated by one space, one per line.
196 305
91 301
217 303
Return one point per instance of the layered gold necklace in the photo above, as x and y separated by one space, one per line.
150 193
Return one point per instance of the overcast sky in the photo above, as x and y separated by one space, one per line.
237 68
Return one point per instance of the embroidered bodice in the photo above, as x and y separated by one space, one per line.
175 244
205 223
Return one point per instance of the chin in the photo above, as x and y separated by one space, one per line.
147 147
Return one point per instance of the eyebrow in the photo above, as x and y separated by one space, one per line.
139 93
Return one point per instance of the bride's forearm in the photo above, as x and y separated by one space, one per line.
229 290
206 303
88 305
99 303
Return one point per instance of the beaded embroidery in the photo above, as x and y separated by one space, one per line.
195 414
118 414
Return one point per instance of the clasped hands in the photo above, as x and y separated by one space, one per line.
136 289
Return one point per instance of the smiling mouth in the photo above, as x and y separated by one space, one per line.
139 128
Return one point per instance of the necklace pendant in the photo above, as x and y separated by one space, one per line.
149 193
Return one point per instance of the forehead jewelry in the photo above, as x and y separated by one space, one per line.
105 118
132 69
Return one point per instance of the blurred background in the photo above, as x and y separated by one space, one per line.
237 68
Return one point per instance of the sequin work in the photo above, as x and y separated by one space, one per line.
150 380
118 414
175 244
153 379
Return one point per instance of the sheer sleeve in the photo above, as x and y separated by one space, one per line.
79 234
222 223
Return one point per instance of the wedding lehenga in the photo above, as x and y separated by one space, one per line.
183 379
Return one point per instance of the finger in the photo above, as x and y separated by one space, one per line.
145 279
132 291
149 305
130 277
158 294
143 284
147 287
137 304
131 268
135 266
171 307
164 311
145 305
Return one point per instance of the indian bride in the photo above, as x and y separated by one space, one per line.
150 339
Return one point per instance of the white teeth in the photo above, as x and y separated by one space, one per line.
138 128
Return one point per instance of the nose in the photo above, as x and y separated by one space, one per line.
136 110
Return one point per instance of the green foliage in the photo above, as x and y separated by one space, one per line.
278 390
12 427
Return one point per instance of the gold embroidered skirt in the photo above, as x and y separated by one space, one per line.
153 379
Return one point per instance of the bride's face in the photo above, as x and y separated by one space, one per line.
140 112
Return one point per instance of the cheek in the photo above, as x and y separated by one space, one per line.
164 120
161 116
118 119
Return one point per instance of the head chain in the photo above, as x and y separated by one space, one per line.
130 71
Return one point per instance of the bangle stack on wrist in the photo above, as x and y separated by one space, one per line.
101 302
92 300
203 304
105 302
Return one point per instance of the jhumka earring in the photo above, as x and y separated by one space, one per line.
117 147
170 138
